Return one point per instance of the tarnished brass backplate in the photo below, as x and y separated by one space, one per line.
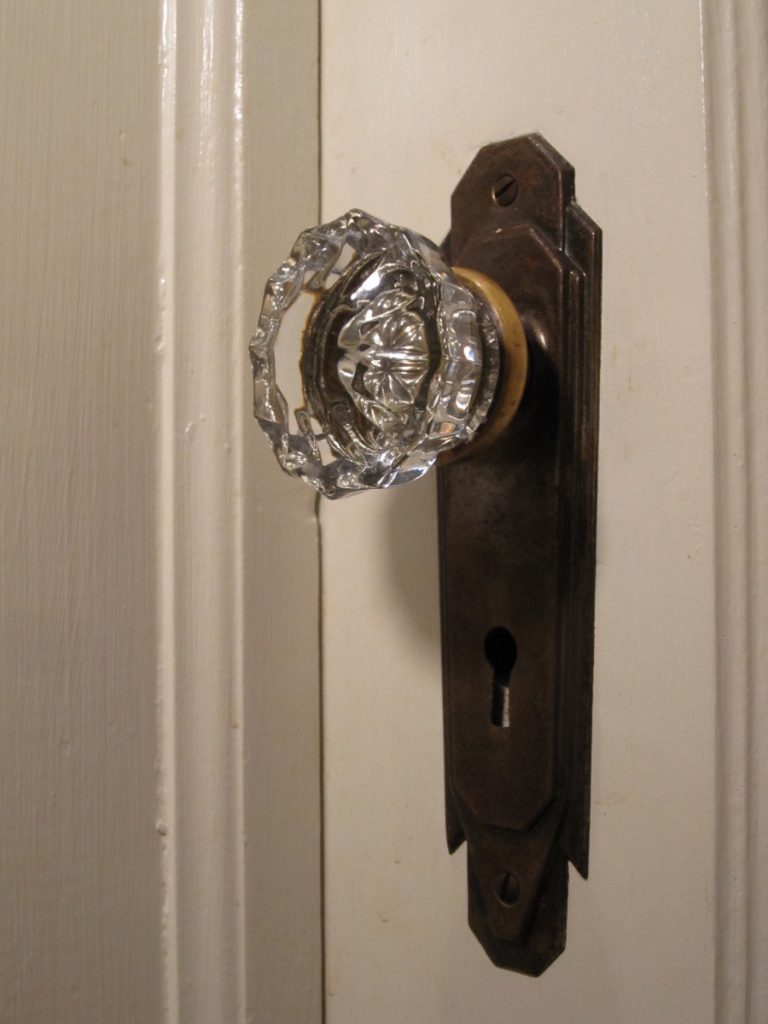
517 562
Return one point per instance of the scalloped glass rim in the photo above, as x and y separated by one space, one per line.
458 394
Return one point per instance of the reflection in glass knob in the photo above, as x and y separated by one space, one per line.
399 358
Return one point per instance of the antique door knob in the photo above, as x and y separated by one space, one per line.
402 358
378 355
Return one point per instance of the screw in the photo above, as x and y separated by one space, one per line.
505 190
509 889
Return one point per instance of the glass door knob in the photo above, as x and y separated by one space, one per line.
373 358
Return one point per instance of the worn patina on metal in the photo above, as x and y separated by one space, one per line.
517 562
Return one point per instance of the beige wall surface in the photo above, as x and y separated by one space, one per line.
617 88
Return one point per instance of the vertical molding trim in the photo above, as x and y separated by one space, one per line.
201 365
735 46
239 772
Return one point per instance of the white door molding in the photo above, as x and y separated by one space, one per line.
239 722
159 709
736 77
200 666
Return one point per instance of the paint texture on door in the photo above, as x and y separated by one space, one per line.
617 87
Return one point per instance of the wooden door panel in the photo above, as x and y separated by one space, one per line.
616 87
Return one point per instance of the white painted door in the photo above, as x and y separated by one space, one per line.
671 926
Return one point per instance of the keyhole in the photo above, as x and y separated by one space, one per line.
501 654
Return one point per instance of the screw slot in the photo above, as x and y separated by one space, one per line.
505 190
509 889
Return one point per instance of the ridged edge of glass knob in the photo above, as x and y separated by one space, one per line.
434 337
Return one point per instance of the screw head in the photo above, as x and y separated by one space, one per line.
509 889
505 190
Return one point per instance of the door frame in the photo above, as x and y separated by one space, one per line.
239 721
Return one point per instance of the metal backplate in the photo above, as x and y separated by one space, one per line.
517 562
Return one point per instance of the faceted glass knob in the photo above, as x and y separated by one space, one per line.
398 359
